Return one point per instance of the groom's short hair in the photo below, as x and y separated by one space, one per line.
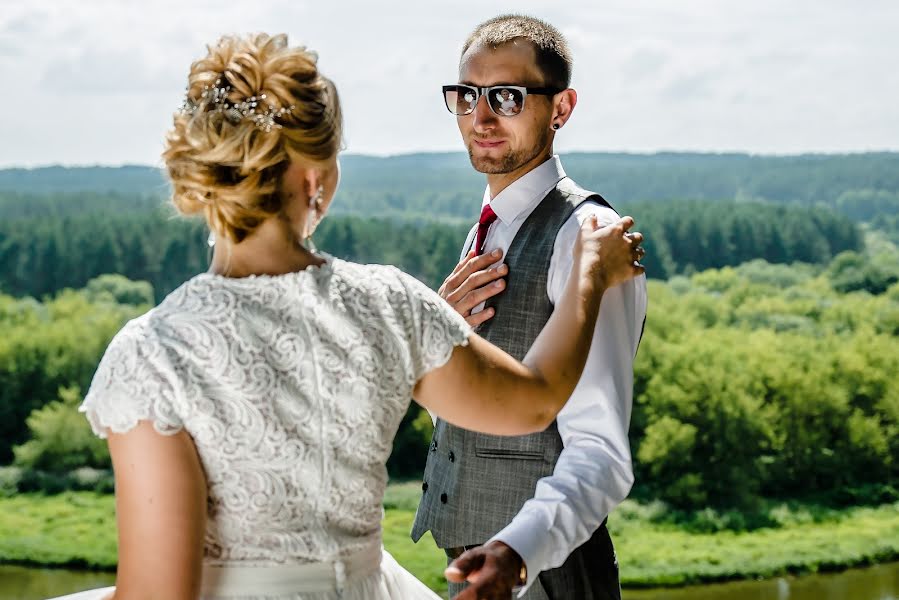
553 55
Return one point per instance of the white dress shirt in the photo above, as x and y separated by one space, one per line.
593 473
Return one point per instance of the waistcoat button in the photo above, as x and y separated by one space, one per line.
443 498
424 486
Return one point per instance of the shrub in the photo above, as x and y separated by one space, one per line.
61 438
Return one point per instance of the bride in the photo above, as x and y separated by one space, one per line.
250 415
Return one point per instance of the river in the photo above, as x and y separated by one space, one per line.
880 582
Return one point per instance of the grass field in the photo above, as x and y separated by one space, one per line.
77 529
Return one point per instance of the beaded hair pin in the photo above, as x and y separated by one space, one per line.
217 97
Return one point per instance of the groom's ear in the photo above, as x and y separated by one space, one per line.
563 106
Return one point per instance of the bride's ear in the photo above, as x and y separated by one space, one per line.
299 182
322 183
312 186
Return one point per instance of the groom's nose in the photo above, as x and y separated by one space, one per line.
483 117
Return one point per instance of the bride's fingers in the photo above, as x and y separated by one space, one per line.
636 238
616 228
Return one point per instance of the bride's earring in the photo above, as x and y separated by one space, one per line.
210 246
311 217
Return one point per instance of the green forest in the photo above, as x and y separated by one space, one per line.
44 254
759 381
767 369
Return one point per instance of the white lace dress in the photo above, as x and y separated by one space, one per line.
292 388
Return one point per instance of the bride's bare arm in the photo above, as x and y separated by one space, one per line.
160 513
482 388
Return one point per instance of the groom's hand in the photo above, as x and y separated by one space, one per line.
491 571
472 282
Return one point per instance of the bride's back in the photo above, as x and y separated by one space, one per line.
292 388
291 385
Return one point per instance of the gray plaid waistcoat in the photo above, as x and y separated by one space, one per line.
474 484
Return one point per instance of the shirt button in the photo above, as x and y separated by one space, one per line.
443 498
424 486
452 456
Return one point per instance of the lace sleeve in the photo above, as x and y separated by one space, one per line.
133 382
433 327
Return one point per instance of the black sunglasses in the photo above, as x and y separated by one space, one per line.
503 100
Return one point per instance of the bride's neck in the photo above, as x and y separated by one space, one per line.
271 249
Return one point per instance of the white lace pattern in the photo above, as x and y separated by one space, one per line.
292 388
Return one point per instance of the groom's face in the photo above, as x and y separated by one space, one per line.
505 144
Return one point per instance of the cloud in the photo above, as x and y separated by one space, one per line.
647 59
699 74
17 27
18 22
110 71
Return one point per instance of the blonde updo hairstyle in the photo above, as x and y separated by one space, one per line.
230 169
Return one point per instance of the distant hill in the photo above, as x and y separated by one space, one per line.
131 179
444 186
359 172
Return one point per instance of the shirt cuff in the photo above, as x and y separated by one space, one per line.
527 545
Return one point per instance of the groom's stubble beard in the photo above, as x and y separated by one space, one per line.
511 160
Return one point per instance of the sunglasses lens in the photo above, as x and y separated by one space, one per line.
506 102
460 99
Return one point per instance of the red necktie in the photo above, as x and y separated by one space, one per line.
487 218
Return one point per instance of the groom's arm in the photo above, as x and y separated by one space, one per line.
593 473
470 284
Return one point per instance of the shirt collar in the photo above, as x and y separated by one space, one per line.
524 193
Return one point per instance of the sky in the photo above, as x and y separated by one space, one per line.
91 82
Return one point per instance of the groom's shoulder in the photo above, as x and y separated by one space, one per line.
587 202
571 188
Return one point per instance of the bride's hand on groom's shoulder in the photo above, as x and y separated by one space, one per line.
492 571
610 252
472 282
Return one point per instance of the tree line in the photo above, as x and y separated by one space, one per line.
43 254
688 236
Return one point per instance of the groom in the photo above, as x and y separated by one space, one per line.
530 512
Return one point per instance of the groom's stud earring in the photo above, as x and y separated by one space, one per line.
556 125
